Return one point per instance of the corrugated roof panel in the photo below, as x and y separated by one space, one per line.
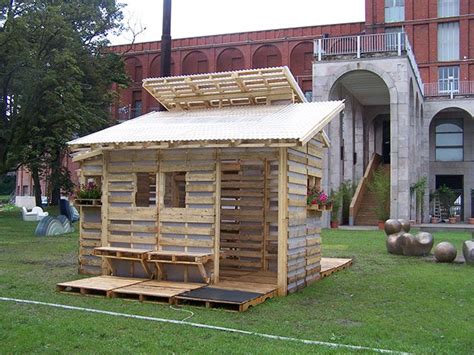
294 121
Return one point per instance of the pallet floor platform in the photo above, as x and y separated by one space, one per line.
155 291
332 265
230 299
99 285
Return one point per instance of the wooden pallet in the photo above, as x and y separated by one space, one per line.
332 265
98 286
229 298
154 291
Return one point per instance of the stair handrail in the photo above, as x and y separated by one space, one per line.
362 187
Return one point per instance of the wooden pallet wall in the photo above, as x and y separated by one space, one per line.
304 240
129 225
192 228
248 218
90 222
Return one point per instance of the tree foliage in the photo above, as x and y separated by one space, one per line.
55 79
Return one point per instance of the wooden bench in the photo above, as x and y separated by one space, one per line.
130 254
160 257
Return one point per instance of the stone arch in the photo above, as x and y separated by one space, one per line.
230 59
389 82
195 62
266 56
134 68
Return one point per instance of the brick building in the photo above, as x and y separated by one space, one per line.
407 74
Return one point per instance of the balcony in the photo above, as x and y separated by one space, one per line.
449 88
367 46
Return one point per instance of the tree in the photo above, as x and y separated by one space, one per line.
55 80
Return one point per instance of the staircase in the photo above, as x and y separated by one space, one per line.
364 202
366 215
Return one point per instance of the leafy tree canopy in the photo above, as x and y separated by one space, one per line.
55 78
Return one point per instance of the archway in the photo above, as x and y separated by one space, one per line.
451 133
364 130
195 62
301 65
266 56
230 59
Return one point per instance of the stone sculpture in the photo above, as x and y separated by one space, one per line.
400 242
468 251
445 252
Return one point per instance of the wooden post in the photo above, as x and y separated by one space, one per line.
283 223
105 208
217 223
266 208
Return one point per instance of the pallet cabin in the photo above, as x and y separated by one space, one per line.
212 190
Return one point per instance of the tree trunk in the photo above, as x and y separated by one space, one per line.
56 178
37 185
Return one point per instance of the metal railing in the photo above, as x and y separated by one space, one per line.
126 113
449 88
395 43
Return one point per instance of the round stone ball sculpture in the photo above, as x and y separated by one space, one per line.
445 252
392 226
468 251
405 225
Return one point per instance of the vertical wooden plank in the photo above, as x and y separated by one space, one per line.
105 207
159 197
282 222
217 223
266 207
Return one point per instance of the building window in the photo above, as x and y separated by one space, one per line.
450 140
448 8
145 195
448 41
175 189
394 10
448 79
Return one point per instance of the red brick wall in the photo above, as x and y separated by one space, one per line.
421 24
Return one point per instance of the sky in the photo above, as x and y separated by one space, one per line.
191 18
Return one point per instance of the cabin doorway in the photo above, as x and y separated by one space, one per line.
249 223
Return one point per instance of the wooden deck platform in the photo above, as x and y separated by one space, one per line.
99 285
332 265
233 295
236 290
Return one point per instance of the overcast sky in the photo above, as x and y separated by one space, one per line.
192 18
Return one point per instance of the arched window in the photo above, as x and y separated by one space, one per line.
450 140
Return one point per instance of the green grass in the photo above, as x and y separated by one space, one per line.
383 301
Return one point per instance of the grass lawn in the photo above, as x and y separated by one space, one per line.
383 301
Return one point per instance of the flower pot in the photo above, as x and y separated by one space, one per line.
470 220
381 225
434 220
452 220
335 224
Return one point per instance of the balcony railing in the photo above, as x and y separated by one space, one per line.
365 46
126 113
449 88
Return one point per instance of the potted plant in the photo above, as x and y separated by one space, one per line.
446 198
452 215
318 200
380 186
336 199
89 194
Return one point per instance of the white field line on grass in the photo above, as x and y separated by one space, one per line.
203 326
